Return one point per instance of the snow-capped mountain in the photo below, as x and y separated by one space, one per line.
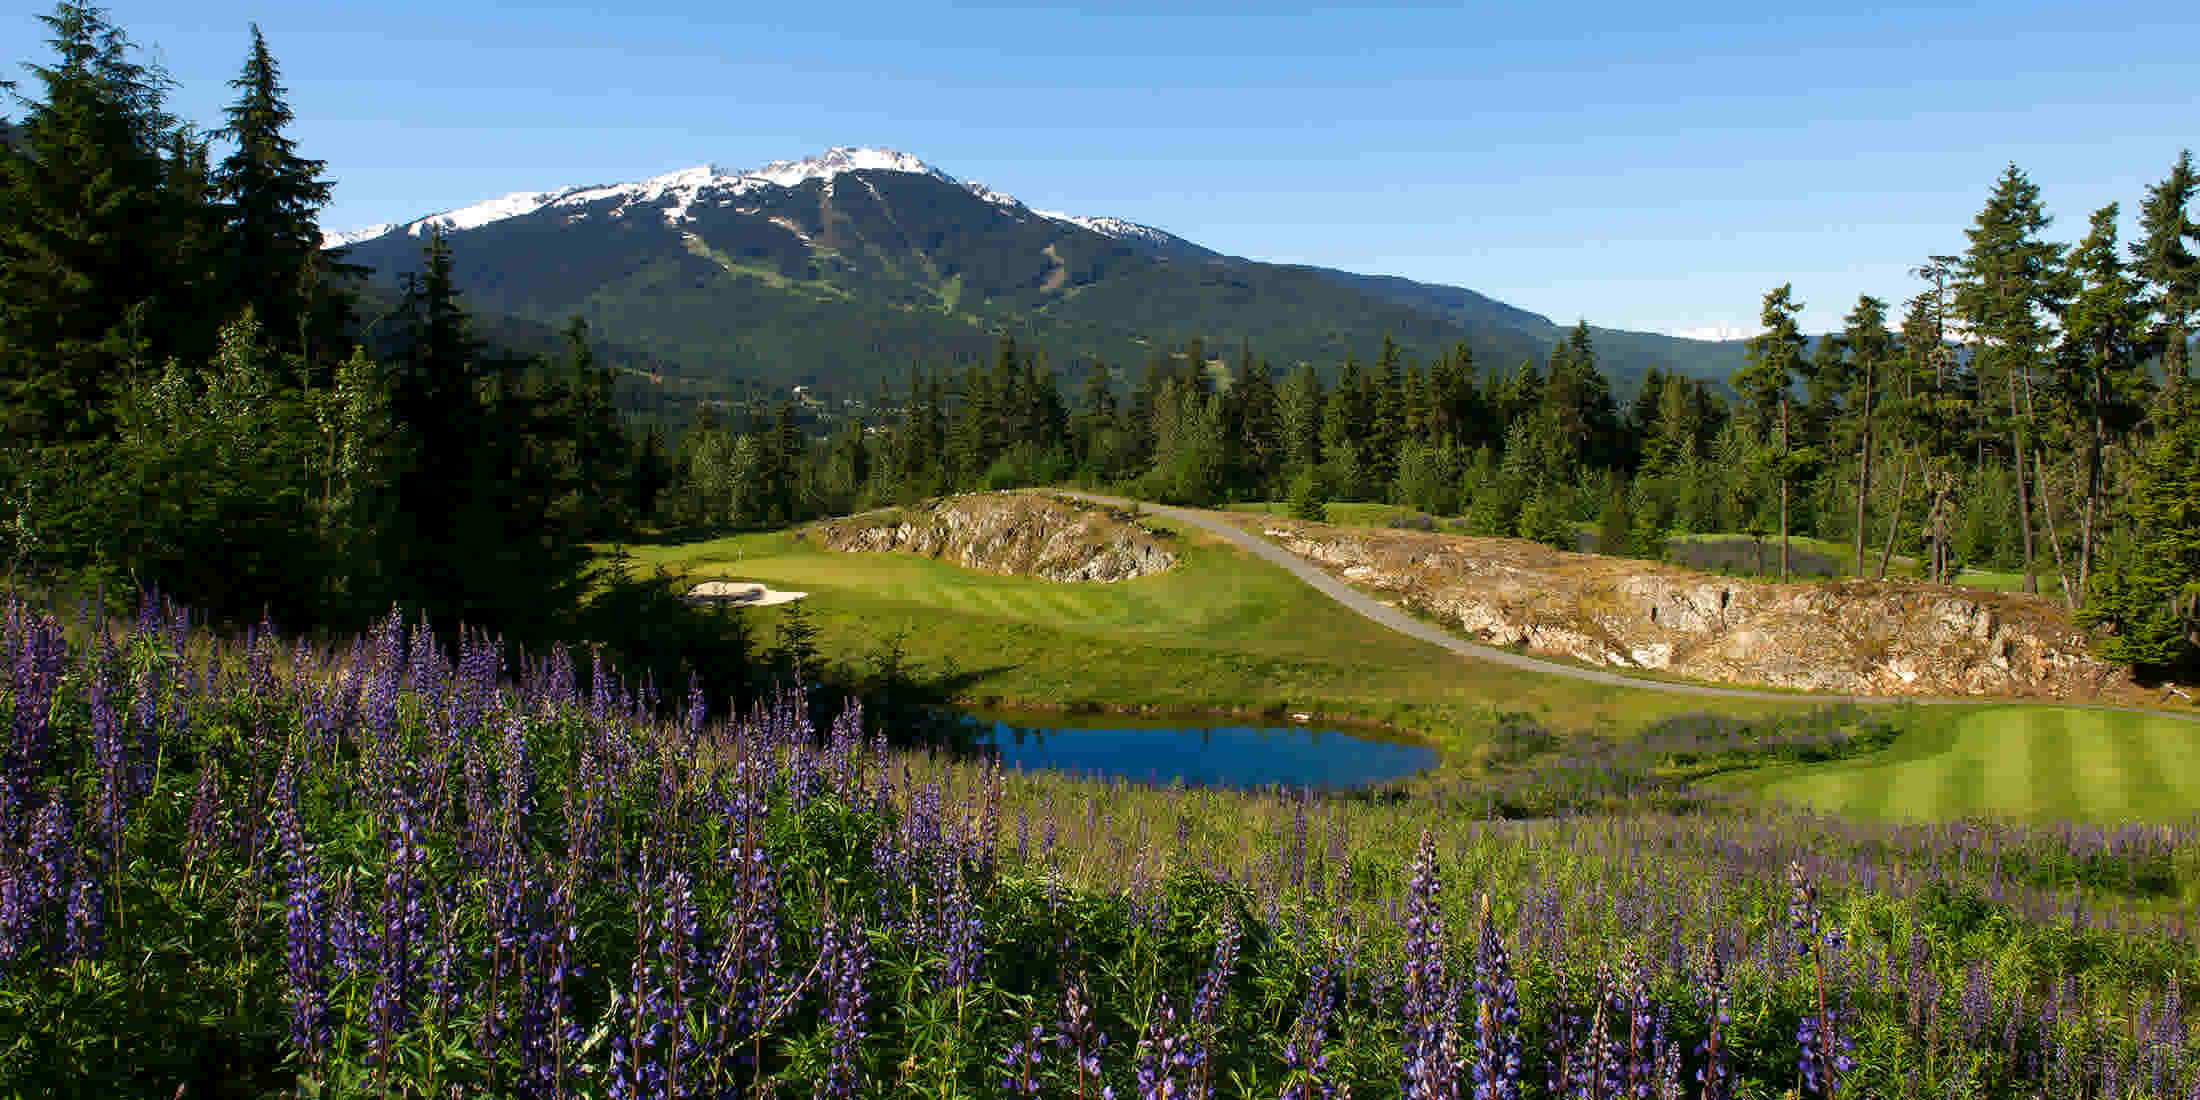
849 266
676 193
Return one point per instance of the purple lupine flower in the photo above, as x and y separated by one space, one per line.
1429 1072
637 1028
1977 1002
1496 1063
548 1028
1304 1058
961 928
446 978
41 655
400 938
1632 998
697 710
306 922
1161 1054
746 992
1082 1038
678 974
1020 1065
1823 1061
84 933
1214 985
49 861
145 719
559 696
844 960
516 778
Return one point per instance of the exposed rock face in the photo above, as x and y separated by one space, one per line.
1849 637
1015 533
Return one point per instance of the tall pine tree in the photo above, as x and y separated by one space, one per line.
2009 288
2164 257
1775 358
87 249
271 197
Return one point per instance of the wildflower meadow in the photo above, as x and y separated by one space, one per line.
245 865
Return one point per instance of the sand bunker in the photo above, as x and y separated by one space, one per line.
743 593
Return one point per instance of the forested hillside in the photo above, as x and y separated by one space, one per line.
194 397
838 277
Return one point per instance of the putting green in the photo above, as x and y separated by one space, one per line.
2029 763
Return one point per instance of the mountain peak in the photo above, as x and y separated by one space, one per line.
843 158
676 192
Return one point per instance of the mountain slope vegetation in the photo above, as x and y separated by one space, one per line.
848 280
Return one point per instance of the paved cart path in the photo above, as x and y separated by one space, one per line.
1403 623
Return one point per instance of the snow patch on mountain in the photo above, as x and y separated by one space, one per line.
677 192
1113 227
843 158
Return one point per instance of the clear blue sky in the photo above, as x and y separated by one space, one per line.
1642 165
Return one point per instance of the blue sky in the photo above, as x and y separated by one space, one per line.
1645 166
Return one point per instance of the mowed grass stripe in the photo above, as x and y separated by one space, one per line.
2031 763
2139 761
2038 747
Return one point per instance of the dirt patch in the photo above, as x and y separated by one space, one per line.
1847 637
1017 534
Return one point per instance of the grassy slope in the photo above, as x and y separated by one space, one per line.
1222 630
2032 763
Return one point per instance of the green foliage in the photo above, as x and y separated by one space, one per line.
1309 501
2150 592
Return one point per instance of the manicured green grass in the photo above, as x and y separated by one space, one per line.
1222 630
2026 763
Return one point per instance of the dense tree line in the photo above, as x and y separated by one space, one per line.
2031 410
186 404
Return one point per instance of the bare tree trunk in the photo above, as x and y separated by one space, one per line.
1901 486
1864 472
2016 464
2054 540
2092 490
1783 487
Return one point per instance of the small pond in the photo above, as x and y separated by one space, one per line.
1201 751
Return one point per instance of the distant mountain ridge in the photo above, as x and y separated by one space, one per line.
846 269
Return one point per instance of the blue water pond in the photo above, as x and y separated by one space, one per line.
1209 753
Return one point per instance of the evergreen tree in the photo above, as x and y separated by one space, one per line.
652 474
271 197
2010 286
1774 358
1259 426
1870 347
591 454
88 246
1299 408
2098 370
2150 592
2164 257
444 531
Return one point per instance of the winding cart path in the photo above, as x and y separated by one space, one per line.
1403 623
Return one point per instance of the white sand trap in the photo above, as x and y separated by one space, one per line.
743 593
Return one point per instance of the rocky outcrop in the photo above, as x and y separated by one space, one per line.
1848 637
1024 534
